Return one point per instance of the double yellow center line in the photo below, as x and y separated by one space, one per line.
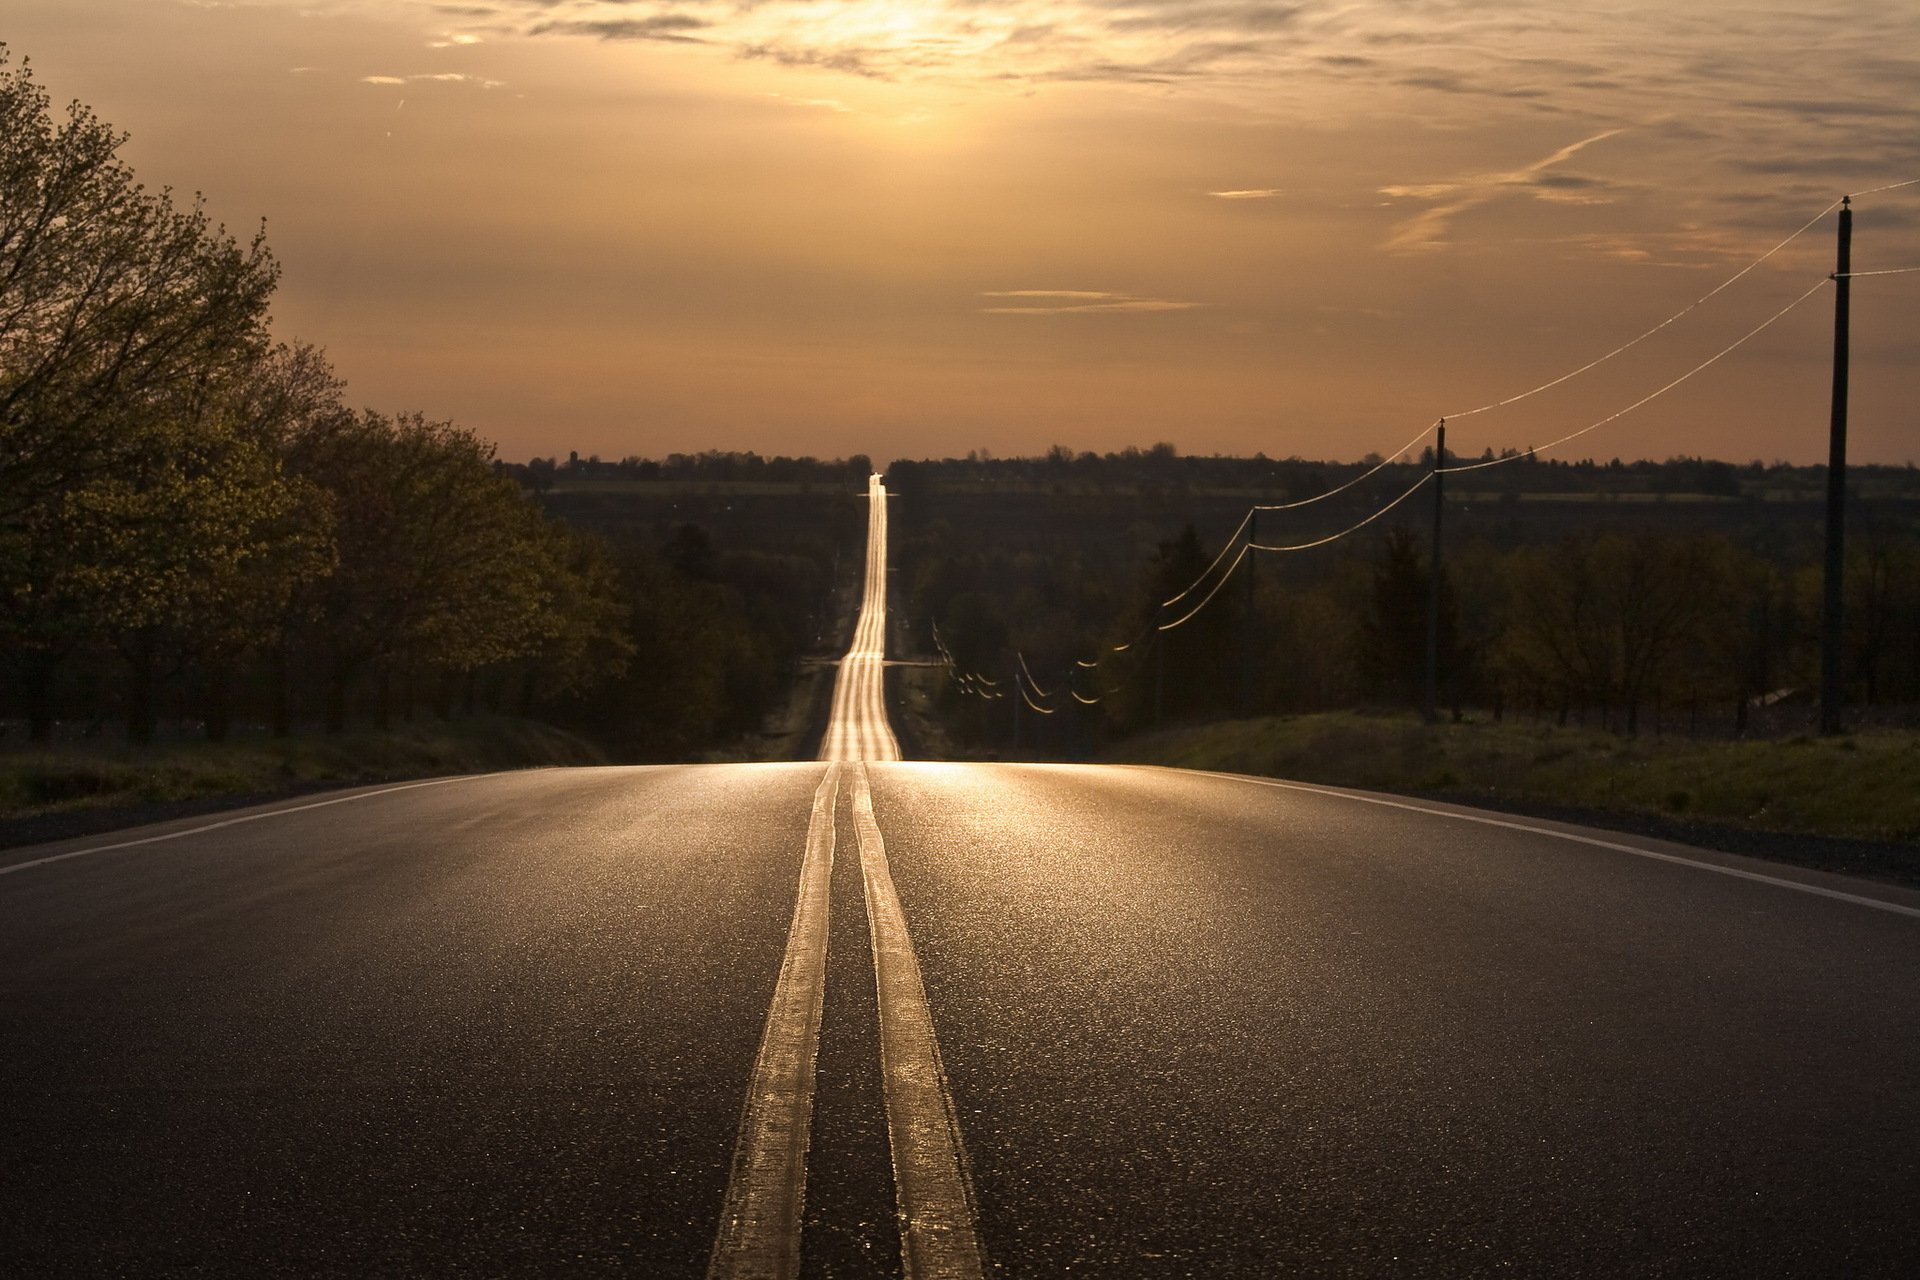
760 1226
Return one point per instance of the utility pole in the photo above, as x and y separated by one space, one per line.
1246 640
1832 633
1430 700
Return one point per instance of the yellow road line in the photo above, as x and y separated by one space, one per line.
937 1236
760 1224
858 729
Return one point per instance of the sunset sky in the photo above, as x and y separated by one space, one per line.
909 229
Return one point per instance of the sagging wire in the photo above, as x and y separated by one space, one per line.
1028 672
1684 311
1226 547
1731 280
1045 711
1155 625
965 681
1891 186
1168 626
1367 474
1621 413
1352 528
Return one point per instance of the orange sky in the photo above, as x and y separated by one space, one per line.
805 226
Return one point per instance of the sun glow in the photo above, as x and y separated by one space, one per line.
882 39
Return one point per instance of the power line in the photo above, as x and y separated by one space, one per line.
1045 711
1352 528
1621 413
1628 346
1228 546
1891 186
1023 676
1515 399
1321 497
1168 626
1028 672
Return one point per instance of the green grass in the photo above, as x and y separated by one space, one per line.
1863 787
64 779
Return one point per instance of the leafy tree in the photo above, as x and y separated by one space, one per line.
123 324
1393 635
1198 675
439 556
1611 619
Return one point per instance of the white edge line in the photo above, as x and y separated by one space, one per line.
1759 877
232 822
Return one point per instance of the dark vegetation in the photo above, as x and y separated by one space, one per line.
199 536
1641 599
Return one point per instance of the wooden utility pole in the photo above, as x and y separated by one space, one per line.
1832 614
1246 640
1430 699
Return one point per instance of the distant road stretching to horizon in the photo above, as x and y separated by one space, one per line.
867 1017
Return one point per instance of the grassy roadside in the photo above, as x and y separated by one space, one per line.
1860 788
89 786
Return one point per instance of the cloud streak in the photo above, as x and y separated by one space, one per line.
1060 302
436 77
1428 230
671 28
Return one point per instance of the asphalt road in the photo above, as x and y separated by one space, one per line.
1186 1025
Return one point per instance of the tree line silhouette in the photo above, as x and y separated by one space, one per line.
195 526
1677 596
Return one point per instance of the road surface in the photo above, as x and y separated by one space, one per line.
868 1017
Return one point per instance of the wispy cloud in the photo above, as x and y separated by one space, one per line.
821 104
849 61
1055 302
436 77
1428 229
1250 193
673 28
